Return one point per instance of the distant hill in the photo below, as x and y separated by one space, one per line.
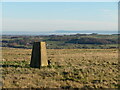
58 32
87 31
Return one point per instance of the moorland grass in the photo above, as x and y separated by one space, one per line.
69 68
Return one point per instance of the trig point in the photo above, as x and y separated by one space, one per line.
39 55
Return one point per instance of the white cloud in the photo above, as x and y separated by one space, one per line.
108 14
51 25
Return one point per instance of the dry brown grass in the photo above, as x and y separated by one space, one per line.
70 68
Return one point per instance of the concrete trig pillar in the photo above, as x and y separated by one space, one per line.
39 55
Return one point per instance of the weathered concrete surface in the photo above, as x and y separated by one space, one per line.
44 61
39 55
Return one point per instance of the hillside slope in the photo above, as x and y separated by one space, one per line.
70 68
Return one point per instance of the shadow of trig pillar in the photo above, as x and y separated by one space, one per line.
39 55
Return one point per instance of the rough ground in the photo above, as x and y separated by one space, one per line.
70 68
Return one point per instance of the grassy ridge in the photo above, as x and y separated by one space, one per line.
70 68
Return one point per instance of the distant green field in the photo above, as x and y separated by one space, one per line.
77 41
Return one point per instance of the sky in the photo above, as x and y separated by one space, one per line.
52 16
